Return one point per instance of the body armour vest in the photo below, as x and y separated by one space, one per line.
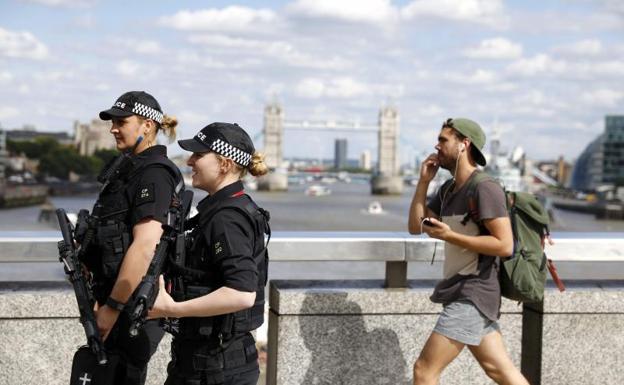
198 278
110 219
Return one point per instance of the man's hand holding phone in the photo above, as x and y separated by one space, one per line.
435 228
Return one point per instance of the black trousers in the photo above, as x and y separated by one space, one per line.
135 352
245 378
195 363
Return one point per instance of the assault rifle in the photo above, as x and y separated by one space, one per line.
68 255
173 236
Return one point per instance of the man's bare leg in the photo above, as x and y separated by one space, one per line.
493 358
438 352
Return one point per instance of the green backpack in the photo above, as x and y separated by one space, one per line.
523 274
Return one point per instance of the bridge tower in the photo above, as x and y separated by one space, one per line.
273 135
277 179
387 180
3 158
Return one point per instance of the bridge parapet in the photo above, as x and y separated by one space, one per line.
322 330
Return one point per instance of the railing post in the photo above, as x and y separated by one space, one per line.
532 336
396 274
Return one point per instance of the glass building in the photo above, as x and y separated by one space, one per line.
613 148
587 171
340 154
602 161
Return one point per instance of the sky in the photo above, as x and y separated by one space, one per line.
542 74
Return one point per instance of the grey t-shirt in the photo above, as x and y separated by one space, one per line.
468 275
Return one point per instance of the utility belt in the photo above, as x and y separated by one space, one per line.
217 328
195 363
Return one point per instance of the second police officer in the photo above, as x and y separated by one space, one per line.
218 295
126 227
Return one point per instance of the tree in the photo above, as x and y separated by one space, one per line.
63 159
105 155
33 149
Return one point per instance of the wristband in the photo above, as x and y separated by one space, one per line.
114 304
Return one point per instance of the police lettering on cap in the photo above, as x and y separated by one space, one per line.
226 139
134 103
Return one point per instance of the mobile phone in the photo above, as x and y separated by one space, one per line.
427 222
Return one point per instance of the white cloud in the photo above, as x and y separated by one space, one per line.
613 5
496 48
233 18
23 89
128 68
5 77
486 12
478 77
150 47
225 41
428 110
345 88
337 88
119 45
7 112
192 118
501 87
310 88
191 60
366 11
536 65
63 3
603 97
86 21
273 50
587 47
21 45
611 68
533 97
53 76
102 87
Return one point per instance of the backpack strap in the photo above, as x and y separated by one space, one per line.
471 194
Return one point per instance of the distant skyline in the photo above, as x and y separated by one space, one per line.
544 72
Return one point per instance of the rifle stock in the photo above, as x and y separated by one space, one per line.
68 255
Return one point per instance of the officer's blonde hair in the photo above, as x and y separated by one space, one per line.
256 167
168 126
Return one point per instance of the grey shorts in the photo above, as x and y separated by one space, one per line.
463 322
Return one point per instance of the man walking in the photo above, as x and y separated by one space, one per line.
469 290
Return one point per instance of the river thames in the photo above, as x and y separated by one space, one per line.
344 209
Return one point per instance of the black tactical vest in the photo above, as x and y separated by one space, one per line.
199 278
111 219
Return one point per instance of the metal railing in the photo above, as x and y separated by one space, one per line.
32 256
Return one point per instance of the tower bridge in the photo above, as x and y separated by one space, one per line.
386 179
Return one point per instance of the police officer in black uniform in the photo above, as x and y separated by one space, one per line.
218 292
125 227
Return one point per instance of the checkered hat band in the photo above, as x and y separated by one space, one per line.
148 112
237 155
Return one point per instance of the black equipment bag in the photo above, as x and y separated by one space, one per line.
87 371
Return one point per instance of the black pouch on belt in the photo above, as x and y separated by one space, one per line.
211 367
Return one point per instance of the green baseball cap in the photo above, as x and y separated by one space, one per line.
471 130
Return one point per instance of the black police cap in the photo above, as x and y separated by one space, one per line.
227 139
134 103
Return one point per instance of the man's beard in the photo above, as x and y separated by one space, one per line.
448 163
